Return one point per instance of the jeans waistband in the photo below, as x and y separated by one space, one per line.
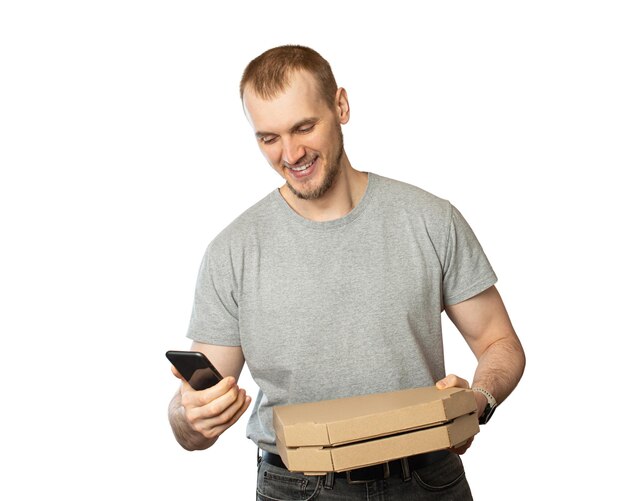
399 467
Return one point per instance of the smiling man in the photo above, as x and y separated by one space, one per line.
333 286
299 133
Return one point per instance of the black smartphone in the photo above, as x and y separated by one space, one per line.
195 368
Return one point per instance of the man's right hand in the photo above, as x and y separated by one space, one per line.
198 418
212 411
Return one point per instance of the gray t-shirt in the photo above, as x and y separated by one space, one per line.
340 308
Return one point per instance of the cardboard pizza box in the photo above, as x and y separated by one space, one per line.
347 433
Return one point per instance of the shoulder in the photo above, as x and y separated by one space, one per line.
404 198
247 227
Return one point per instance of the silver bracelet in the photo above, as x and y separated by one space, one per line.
489 396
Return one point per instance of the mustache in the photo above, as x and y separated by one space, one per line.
303 161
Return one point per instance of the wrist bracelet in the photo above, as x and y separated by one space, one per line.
490 399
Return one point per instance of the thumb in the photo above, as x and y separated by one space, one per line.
441 384
446 382
451 381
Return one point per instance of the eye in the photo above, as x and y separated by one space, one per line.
268 139
305 130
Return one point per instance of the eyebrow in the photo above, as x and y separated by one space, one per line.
294 128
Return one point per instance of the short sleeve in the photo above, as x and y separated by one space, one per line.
466 270
214 318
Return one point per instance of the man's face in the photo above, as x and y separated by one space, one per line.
299 135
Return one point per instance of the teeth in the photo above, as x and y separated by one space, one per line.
301 168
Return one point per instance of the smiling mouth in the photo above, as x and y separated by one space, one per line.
300 169
304 169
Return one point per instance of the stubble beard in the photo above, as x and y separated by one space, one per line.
329 178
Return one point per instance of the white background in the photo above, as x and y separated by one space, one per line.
124 151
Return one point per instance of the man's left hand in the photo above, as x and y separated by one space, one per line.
454 381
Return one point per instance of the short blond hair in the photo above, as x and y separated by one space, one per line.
270 73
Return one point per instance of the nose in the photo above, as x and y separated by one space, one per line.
293 151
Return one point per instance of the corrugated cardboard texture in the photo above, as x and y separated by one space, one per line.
318 460
346 420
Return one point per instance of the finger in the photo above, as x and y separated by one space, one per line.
231 413
223 408
225 386
452 381
199 398
221 429
240 412
462 448
212 409
214 427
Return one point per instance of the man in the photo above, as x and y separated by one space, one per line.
333 286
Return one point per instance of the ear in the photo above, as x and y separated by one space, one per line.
342 106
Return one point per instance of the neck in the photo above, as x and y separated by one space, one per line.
344 195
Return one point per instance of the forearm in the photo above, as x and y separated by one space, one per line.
185 435
500 367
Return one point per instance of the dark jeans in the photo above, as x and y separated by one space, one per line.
442 480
